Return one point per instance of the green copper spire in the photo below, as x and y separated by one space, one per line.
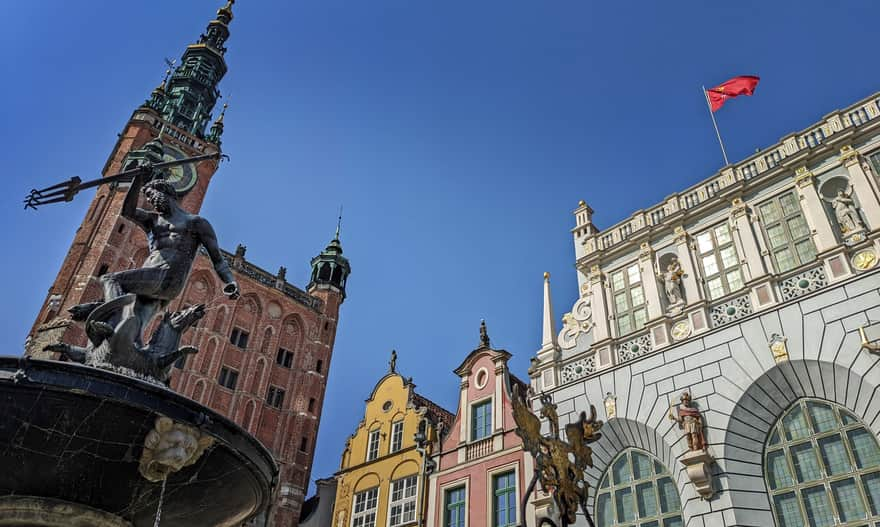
330 269
217 128
191 92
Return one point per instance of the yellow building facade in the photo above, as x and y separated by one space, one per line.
382 479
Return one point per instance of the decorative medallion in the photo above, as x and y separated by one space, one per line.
274 310
681 330
200 286
864 260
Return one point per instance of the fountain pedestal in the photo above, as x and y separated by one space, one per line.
72 440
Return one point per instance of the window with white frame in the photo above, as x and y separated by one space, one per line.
787 232
364 510
481 420
403 501
719 261
373 445
396 436
628 299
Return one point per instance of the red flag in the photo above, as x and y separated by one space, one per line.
742 85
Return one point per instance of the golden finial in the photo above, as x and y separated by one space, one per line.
582 203
222 112
546 276
226 10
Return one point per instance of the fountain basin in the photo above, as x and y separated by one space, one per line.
71 437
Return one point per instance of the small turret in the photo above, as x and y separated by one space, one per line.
330 269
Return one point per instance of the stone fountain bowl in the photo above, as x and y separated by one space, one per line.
71 438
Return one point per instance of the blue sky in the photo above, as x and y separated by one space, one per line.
457 135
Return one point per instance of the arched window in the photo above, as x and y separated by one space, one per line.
637 491
822 467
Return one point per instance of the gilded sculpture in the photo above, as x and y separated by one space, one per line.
559 465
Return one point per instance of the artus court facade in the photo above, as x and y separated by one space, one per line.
741 313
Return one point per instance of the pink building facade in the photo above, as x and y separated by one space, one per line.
481 469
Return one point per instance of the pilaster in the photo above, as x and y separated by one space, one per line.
649 282
814 210
746 242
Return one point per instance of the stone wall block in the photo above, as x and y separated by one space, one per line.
851 306
671 369
814 329
771 324
822 300
865 283
720 337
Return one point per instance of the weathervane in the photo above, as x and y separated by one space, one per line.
559 465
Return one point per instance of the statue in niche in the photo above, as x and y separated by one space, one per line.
846 212
672 285
689 419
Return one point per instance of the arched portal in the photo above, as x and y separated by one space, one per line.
822 467
637 489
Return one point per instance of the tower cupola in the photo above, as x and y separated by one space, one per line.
191 92
330 269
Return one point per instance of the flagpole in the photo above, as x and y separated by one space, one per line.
712 115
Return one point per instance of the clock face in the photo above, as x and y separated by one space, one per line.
864 260
182 177
681 330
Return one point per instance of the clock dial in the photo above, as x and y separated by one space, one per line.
864 260
182 177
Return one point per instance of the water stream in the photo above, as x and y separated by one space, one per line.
159 506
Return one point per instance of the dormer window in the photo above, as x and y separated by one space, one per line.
628 299
373 445
481 420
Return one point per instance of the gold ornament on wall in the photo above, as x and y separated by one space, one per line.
864 260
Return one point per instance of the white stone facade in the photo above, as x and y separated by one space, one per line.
776 278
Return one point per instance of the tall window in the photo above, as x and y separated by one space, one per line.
284 358
239 338
719 261
504 499
822 467
629 299
481 420
787 232
396 436
373 445
275 397
228 378
403 501
364 511
637 490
